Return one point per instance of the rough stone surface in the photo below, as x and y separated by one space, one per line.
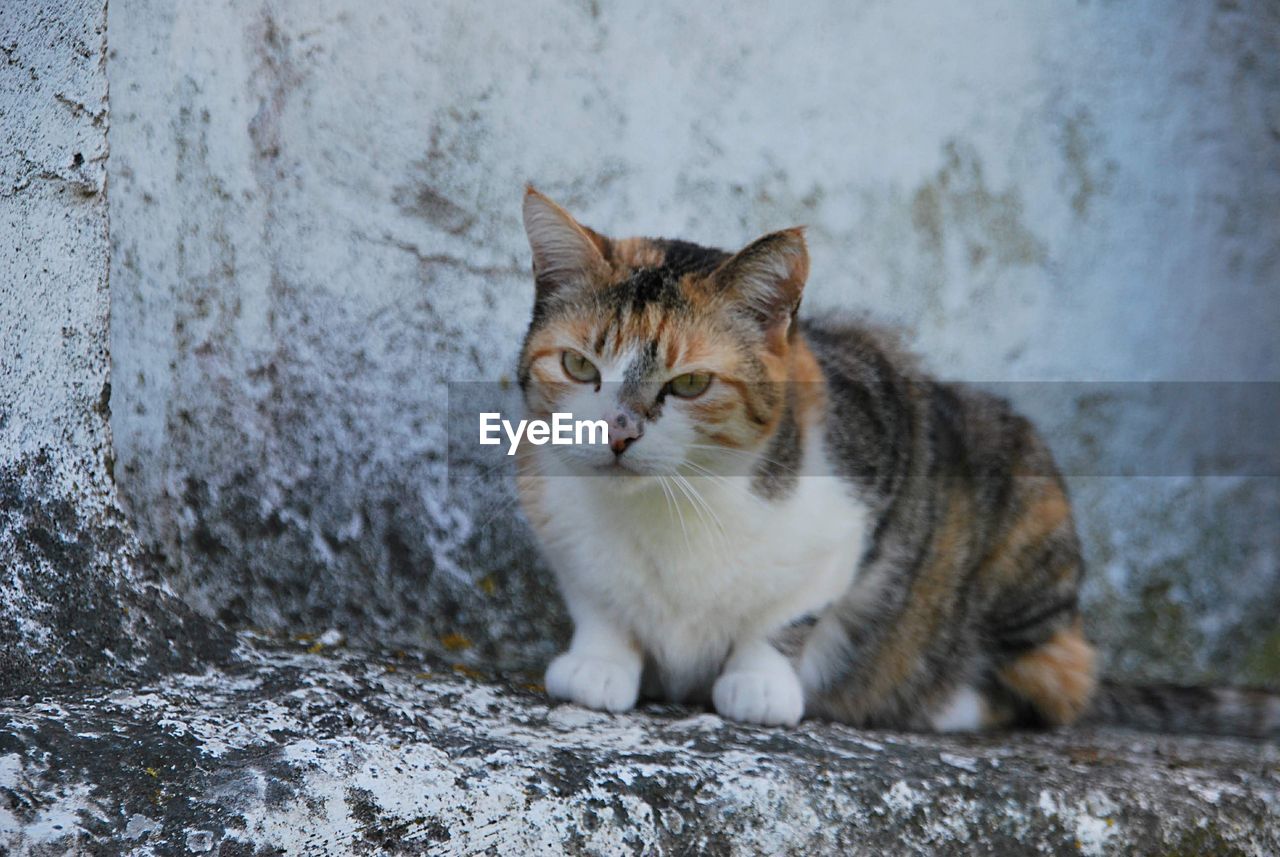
75 602
335 753
79 602
317 229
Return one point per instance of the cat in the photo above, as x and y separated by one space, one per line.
790 518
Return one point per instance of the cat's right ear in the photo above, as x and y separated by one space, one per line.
566 254
767 277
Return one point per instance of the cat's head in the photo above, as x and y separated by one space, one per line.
683 350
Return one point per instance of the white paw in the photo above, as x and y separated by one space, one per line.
593 682
765 697
965 711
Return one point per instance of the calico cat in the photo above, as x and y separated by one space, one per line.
790 519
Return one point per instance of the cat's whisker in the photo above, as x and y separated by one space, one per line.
484 472
720 536
503 507
704 471
753 456
740 486
696 496
681 483
735 482
675 504
507 498
666 496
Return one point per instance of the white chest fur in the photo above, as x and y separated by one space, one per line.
688 578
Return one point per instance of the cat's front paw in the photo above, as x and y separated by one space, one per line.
593 682
763 697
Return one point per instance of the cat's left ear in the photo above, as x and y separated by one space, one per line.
768 276
566 254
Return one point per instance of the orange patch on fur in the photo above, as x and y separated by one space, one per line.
1044 515
930 602
636 253
530 487
724 439
810 389
535 356
765 420
1057 677
550 375
711 410
695 346
672 351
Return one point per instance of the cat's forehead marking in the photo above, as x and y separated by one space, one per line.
632 366
645 288
637 252
615 369
626 320
643 364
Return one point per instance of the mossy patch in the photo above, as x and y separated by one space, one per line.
1262 662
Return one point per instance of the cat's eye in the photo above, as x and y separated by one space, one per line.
579 368
690 385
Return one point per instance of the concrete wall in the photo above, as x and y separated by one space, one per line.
315 211
76 600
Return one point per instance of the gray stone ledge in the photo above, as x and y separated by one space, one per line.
331 751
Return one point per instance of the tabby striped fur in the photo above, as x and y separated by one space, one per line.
826 531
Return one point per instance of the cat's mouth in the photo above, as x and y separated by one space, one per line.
626 468
618 467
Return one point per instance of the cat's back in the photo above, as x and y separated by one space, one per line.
888 416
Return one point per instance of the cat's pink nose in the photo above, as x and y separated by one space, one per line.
625 428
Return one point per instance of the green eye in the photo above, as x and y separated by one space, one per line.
579 368
690 385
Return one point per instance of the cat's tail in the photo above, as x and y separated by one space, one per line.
1243 712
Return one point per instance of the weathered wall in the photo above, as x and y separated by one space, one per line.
75 603
315 211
